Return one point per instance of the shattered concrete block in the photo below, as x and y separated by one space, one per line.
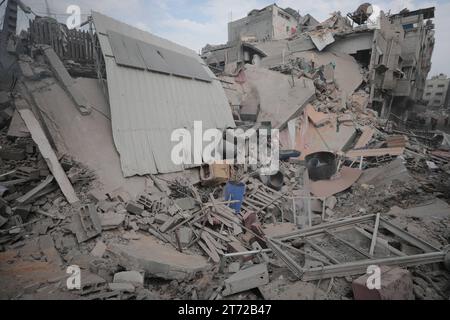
125 287
396 284
157 260
86 223
120 195
132 277
91 283
111 220
96 196
134 208
234 267
247 279
106 205
99 249
331 202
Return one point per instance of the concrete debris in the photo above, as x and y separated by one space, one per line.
111 220
158 260
283 289
132 277
99 250
362 175
126 287
397 284
86 223
247 279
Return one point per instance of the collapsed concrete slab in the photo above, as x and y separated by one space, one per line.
247 279
157 260
383 176
281 98
94 145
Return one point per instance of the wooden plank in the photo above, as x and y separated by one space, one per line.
213 255
47 153
214 233
223 220
375 235
211 245
375 152
26 197
216 243
365 138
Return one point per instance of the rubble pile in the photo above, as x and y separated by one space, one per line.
92 207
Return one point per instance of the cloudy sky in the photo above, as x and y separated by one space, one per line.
194 23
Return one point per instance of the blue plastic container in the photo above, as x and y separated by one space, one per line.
235 192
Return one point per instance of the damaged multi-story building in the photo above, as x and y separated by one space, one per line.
395 49
269 23
437 92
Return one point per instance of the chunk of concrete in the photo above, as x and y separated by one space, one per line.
247 279
396 284
111 220
161 218
123 287
91 283
99 250
86 223
283 289
134 208
234 267
132 277
331 203
157 260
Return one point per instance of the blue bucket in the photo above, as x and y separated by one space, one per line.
235 192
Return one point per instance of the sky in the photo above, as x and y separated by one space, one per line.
195 23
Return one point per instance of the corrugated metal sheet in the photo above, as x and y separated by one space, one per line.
146 107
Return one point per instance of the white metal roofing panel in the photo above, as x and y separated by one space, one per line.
146 106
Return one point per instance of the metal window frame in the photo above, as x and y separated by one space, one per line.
430 254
